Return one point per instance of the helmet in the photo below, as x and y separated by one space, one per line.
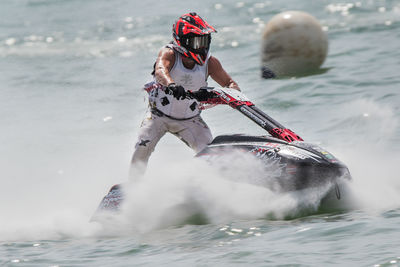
192 36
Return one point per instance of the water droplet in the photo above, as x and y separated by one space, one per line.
10 41
345 13
108 118
122 39
303 229
256 20
218 6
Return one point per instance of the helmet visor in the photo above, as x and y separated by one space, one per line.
197 42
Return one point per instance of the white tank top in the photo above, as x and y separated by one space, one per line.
190 79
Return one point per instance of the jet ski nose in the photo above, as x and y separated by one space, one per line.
345 173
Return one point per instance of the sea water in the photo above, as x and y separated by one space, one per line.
71 103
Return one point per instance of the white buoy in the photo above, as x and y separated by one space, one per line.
293 43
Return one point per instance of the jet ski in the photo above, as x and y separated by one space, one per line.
297 164
290 163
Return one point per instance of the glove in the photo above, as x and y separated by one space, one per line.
177 91
202 95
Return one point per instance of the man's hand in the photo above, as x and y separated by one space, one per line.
177 91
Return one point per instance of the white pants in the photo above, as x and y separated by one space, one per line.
194 132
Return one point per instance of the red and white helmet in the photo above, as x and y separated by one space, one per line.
192 35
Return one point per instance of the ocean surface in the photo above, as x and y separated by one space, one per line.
71 103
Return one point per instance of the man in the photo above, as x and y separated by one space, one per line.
183 65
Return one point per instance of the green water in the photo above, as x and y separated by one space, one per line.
70 88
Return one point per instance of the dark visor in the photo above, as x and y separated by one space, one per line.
198 42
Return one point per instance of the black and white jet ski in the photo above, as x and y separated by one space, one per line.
300 165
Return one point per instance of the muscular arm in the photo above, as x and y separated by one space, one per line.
164 63
218 74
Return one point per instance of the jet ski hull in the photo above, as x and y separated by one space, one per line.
288 166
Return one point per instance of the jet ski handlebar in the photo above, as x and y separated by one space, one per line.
237 100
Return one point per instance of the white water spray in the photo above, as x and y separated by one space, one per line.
59 205
373 155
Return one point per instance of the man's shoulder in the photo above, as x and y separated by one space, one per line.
213 60
166 51
167 48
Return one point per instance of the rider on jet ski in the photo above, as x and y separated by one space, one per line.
181 66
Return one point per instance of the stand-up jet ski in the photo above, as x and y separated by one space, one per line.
296 164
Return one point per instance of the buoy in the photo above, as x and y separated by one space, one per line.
293 43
